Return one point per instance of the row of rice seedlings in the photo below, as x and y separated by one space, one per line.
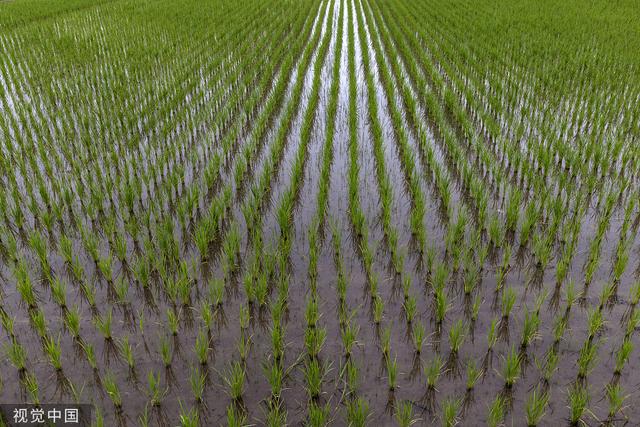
407 156
441 180
385 186
512 205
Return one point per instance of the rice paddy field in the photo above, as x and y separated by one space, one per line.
322 212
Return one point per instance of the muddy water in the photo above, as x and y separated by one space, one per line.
368 357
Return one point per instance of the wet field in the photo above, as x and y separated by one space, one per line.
343 212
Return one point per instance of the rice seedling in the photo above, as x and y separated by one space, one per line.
578 396
450 411
616 398
189 418
17 355
474 373
392 373
104 325
496 413
511 368
201 347
535 408
404 415
318 414
457 334
54 352
587 358
433 370
113 391
234 379
622 356
357 412
313 373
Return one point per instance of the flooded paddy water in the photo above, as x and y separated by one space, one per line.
327 212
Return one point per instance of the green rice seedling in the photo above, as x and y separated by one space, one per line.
235 380
126 349
471 279
410 307
112 389
59 292
433 370
474 373
277 342
406 286
311 313
165 352
450 411
392 372
548 366
404 415
559 328
103 324
622 355
578 403
385 341
492 334
276 414
607 294
314 339
89 292
26 291
90 355
508 301
173 322
54 352
17 355
418 337
39 322
318 415
529 328
511 368
351 376
189 418
357 412
30 383
513 210
496 231
244 317
236 417
504 268
587 358
440 276
349 334
442 305
457 334
616 398
595 323
313 378
8 323
496 413
216 292
475 307
154 389
632 323
201 347
206 315
122 291
244 346
571 295
378 309
536 407
275 376
120 247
